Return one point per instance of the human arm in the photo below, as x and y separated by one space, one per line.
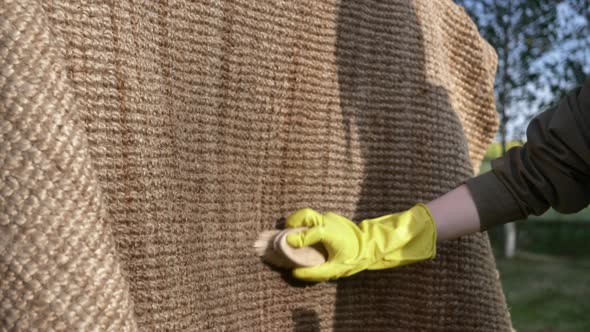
551 169
454 214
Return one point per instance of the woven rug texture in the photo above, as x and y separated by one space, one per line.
144 145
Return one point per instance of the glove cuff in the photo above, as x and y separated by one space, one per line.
423 213
413 238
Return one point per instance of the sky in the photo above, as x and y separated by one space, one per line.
568 20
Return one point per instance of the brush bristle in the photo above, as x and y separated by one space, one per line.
264 247
263 241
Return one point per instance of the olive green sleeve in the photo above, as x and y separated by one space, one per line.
551 170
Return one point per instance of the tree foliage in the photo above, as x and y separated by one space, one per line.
543 51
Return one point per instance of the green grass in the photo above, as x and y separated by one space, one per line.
495 149
546 293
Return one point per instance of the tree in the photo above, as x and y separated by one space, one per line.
566 64
542 53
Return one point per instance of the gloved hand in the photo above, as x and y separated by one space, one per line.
389 241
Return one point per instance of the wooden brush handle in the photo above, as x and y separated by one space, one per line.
301 257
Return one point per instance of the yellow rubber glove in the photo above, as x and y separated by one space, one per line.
389 241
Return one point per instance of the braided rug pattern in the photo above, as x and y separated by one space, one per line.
146 144
59 269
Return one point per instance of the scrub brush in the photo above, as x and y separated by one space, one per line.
273 248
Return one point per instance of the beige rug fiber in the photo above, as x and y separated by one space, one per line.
145 144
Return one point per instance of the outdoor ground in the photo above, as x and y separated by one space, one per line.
548 291
547 294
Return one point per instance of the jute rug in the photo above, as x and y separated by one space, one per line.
145 144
